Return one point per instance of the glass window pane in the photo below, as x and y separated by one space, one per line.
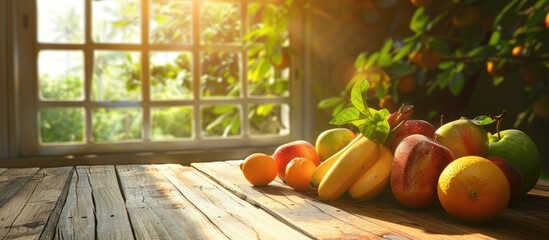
60 24
61 125
170 21
220 74
269 119
116 76
172 123
171 77
116 124
116 21
262 17
220 23
61 74
221 121
265 78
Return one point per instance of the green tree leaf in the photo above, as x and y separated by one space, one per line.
419 21
329 102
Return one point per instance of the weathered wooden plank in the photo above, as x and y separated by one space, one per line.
110 209
76 218
236 218
300 210
2 170
95 208
29 210
12 180
157 210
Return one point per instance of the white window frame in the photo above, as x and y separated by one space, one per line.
27 97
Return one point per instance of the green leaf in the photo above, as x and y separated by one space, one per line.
419 21
494 39
480 51
357 96
482 120
372 60
403 52
345 116
329 102
360 60
376 127
497 80
456 83
502 12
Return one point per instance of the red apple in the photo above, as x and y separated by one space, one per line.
463 138
408 128
286 152
514 177
417 164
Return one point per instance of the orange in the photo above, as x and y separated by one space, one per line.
407 83
496 70
473 189
259 169
299 172
429 59
517 50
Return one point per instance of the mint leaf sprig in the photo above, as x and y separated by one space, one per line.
371 123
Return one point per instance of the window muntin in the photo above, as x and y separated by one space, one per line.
162 71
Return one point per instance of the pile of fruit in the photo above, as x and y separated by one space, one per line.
472 173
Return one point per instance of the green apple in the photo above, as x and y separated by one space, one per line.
463 138
517 148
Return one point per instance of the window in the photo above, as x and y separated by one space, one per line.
154 75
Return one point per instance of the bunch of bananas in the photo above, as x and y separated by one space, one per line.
363 168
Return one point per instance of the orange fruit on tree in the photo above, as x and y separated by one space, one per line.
496 69
407 83
299 172
517 50
533 74
429 59
473 189
259 169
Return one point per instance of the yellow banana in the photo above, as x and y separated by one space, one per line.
323 168
375 179
348 168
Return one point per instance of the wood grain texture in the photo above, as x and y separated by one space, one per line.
157 210
95 208
297 209
237 219
12 180
32 206
2 170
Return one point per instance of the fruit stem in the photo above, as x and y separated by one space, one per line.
498 120
441 119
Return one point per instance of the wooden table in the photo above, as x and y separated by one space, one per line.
214 201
